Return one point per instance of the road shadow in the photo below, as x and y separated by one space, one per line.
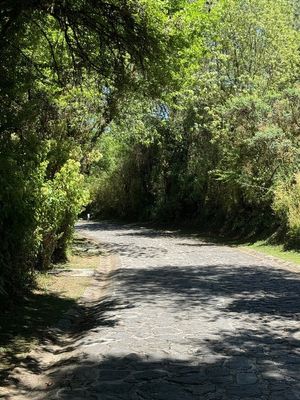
130 250
27 322
138 230
107 226
35 321
153 231
249 289
235 367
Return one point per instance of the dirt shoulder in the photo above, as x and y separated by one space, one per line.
35 334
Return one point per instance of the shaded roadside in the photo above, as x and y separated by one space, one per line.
47 315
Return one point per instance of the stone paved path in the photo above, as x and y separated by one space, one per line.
186 319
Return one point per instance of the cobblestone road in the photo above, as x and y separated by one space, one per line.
185 319
191 320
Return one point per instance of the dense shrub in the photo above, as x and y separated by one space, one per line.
37 214
287 206
62 199
20 182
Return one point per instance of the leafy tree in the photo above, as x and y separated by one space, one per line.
229 131
66 67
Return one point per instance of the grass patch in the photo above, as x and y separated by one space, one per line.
81 262
26 323
84 255
275 251
67 287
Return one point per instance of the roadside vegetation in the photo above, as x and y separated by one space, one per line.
220 148
277 251
65 68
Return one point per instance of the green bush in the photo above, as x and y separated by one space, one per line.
20 181
37 213
287 206
62 199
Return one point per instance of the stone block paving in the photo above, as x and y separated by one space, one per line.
185 319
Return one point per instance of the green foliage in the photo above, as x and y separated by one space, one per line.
65 69
227 129
20 180
62 199
37 213
287 205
